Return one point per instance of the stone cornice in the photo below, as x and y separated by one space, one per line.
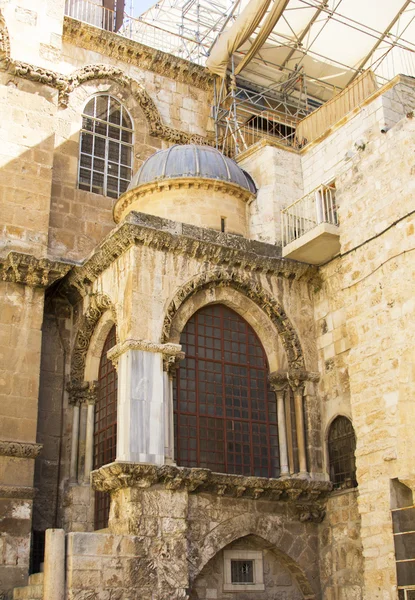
185 183
20 449
29 270
20 492
132 52
169 236
116 476
168 350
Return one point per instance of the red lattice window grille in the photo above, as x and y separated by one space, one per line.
105 431
342 446
225 410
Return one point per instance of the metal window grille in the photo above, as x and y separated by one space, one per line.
106 149
342 446
403 520
242 571
105 430
225 410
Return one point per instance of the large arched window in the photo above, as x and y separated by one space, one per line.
105 430
225 411
342 446
106 151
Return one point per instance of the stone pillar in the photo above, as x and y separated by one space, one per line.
54 570
279 384
73 468
90 424
141 410
298 390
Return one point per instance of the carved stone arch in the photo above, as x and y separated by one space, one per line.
156 126
99 304
252 290
4 44
291 555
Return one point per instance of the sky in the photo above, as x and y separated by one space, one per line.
139 6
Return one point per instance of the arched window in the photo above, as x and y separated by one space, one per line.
225 411
106 151
342 446
105 430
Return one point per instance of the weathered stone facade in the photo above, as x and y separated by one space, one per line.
338 338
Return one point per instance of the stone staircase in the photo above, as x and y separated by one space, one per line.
32 591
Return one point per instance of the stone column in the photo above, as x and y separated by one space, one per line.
279 384
73 469
54 573
298 389
141 411
90 425
168 372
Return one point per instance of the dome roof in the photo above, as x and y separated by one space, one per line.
190 160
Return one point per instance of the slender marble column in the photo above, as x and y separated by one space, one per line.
74 443
89 445
141 423
299 421
289 429
168 416
282 434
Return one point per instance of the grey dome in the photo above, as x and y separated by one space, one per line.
191 161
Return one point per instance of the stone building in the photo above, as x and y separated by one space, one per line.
205 394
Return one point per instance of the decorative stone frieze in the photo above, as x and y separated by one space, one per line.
20 449
82 392
31 271
116 476
99 303
168 350
214 247
20 492
38 74
132 52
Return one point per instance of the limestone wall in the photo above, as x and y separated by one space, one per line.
341 565
363 312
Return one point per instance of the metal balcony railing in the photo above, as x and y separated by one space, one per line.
318 206
90 12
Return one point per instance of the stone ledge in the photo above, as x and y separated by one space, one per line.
116 476
139 229
20 449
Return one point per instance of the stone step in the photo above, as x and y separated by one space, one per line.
29 592
36 579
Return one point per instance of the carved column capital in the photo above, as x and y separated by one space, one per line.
169 351
171 362
297 378
81 392
279 381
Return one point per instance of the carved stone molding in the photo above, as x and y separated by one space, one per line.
99 303
31 271
20 492
311 513
185 183
116 476
132 52
82 392
244 283
168 350
20 449
213 247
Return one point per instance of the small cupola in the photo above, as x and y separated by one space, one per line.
191 184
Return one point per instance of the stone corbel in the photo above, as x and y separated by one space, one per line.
31 271
20 449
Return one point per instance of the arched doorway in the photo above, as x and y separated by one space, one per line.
105 428
224 408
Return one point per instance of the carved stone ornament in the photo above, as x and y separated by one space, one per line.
99 303
82 392
130 51
295 378
311 513
31 271
168 350
20 492
20 449
4 44
116 476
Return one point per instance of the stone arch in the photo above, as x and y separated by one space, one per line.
99 304
4 43
251 290
290 555
96 345
155 123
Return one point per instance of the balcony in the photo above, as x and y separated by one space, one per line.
310 231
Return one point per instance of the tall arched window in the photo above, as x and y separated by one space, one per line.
105 430
106 150
225 411
342 446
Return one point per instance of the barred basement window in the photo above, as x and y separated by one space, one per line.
106 150
242 571
342 446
